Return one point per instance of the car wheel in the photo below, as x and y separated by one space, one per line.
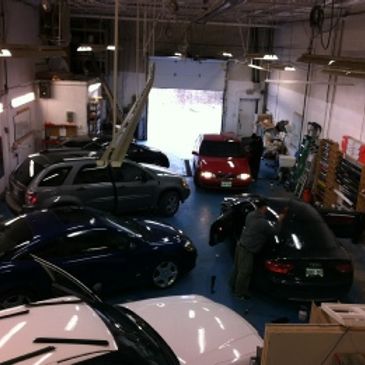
14 298
165 274
169 203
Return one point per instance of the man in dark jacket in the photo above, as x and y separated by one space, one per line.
256 233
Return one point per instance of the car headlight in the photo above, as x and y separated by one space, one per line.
243 176
188 246
184 183
207 175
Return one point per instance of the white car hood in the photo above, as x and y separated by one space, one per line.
199 330
20 326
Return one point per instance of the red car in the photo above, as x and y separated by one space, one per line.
220 162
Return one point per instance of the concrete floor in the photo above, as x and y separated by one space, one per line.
214 264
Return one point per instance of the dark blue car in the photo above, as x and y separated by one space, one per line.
107 253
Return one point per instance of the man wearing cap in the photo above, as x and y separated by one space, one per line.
256 233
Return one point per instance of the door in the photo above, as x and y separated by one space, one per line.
136 187
344 224
246 117
102 259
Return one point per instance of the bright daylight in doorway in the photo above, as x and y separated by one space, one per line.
176 117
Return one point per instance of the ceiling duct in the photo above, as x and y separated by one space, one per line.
218 7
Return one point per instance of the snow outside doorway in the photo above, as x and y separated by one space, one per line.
176 117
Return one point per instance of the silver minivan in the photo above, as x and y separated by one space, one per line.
49 179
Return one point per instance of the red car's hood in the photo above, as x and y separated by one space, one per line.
231 165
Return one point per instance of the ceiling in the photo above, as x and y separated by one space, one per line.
229 12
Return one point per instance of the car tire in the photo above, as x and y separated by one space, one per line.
169 203
14 298
165 274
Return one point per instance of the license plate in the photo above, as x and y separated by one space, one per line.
226 184
312 272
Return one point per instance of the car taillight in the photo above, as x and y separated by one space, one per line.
279 267
344 267
31 198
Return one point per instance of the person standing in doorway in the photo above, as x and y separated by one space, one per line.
256 150
258 231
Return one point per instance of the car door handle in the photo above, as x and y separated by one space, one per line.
81 188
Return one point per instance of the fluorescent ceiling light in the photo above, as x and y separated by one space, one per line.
270 57
5 52
1 107
178 54
289 68
23 99
110 47
257 67
227 54
94 87
84 49
266 57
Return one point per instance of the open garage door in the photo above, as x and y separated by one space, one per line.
186 100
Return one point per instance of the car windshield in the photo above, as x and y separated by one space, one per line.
221 149
303 229
138 343
13 233
29 169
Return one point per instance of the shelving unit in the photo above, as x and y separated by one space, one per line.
325 184
348 177
54 134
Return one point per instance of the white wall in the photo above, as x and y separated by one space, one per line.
16 78
238 86
337 107
66 96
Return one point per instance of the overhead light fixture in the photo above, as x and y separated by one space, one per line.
1 107
257 67
5 52
270 57
178 54
23 99
227 54
289 68
93 87
84 49
110 47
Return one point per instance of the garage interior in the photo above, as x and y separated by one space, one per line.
219 66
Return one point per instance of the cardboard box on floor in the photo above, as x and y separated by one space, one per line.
333 336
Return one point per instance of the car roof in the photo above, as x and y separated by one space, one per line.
220 137
49 157
54 221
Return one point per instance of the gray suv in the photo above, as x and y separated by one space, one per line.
53 179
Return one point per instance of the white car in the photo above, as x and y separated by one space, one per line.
169 330
82 329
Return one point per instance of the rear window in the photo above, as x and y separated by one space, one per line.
13 233
303 229
29 169
221 149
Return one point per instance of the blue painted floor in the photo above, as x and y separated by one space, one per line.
194 218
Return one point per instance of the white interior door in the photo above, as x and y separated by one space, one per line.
246 117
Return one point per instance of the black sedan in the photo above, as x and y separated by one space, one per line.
106 253
136 151
305 261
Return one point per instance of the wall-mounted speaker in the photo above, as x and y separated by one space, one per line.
44 89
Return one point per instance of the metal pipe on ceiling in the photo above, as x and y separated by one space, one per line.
175 21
